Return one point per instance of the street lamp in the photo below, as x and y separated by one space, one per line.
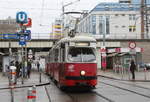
103 47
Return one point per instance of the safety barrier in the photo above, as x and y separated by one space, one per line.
12 76
31 97
34 93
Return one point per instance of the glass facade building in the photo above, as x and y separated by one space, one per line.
133 1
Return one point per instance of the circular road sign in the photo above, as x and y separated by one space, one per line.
30 56
132 45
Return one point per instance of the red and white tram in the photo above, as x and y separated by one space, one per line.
72 62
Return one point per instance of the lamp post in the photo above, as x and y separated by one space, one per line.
63 11
103 47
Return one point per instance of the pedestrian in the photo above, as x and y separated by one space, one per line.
132 69
38 66
17 68
29 69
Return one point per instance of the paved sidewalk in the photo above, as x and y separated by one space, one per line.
33 80
20 94
139 76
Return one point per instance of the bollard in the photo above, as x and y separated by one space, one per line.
145 73
12 75
40 77
29 95
129 73
34 93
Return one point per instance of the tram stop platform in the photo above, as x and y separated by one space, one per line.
21 90
142 75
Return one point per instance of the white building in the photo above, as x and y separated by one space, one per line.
115 20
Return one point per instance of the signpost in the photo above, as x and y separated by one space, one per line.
22 19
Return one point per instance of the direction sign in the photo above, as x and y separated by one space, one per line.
22 40
21 17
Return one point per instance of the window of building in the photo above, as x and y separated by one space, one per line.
94 24
116 14
107 25
88 24
123 26
101 25
87 27
132 17
132 28
116 26
123 14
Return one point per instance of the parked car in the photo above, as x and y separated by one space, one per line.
140 66
147 65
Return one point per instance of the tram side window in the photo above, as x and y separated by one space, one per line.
63 55
56 54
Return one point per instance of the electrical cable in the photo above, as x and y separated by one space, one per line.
42 12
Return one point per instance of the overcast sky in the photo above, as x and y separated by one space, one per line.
44 12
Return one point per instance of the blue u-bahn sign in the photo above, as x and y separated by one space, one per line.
21 17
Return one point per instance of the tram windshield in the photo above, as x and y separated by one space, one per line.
81 55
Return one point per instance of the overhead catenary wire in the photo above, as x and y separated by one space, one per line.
42 12
32 8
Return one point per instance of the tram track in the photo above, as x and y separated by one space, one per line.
73 98
49 98
100 95
122 82
125 89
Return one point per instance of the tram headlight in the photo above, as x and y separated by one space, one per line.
82 72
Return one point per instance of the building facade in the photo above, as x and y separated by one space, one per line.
8 25
115 21
133 1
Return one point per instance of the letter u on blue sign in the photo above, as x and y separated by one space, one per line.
21 17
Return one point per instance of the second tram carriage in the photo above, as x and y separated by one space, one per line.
72 62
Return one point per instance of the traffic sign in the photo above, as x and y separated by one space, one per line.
30 56
21 17
9 36
132 51
103 49
132 45
22 40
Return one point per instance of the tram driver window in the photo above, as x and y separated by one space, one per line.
81 55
